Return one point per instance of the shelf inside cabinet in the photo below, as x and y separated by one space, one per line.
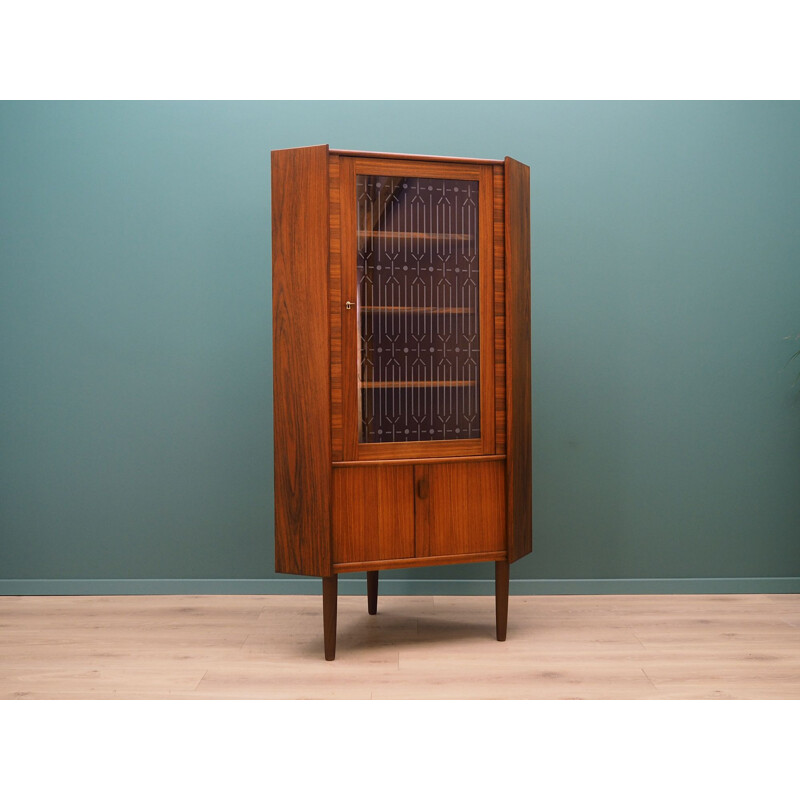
412 384
441 237
418 310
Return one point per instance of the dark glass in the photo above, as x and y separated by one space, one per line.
418 308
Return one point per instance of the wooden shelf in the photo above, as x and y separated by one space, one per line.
412 384
418 310
442 237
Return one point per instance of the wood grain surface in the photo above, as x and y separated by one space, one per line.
402 461
518 357
499 251
487 305
421 561
463 508
336 305
501 587
330 597
301 368
415 157
346 349
373 513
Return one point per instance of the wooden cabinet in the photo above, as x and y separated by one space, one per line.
401 340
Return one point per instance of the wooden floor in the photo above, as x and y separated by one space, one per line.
597 647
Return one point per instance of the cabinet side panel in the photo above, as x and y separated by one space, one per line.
518 357
301 369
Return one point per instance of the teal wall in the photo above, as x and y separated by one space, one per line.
135 342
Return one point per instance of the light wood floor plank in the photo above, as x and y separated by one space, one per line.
558 647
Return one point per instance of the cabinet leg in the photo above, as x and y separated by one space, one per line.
330 591
372 592
501 598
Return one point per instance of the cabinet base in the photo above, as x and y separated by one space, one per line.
421 561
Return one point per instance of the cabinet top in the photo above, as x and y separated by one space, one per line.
415 157
411 156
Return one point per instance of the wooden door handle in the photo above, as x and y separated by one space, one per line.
422 488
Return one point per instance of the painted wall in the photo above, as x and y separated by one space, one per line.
135 343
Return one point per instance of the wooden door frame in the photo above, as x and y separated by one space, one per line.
344 321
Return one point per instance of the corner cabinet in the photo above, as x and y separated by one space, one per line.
401 342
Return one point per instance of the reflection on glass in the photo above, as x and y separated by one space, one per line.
418 308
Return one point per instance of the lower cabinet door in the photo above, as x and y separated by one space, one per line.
460 508
373 513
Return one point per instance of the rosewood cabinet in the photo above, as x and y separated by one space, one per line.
401 343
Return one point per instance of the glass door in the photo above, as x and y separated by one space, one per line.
418 291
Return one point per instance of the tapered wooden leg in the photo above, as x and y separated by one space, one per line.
330 592
372 592
501 598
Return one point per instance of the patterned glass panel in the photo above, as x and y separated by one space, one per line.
418 309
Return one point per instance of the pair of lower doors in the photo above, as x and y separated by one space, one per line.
418 511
